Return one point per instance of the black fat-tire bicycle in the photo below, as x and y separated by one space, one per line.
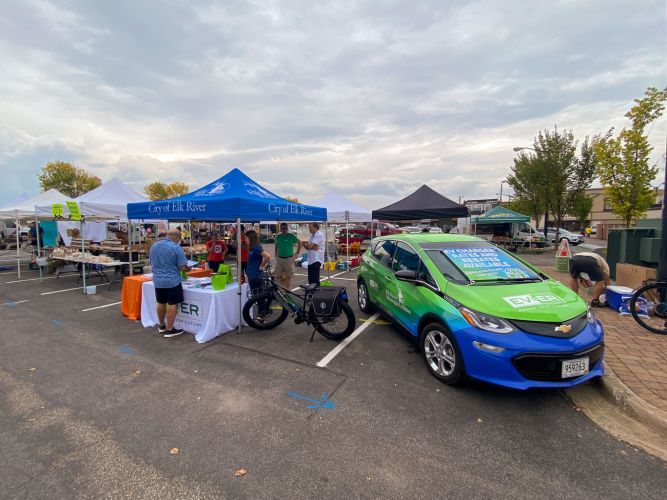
648 305
323 307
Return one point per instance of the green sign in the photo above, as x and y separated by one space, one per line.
57 209
73 208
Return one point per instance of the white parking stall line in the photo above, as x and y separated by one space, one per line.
12 304
336 350
60 291
100 307
44 278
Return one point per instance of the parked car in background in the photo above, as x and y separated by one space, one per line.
364 232
572 238
433 229
412 229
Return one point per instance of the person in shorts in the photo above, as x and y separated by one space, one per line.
285 256
168 260
216 252
597 270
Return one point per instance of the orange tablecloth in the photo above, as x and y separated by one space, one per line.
130 297
200 273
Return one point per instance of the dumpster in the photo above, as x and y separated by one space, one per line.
624 246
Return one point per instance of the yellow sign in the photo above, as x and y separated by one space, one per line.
57 209
73 208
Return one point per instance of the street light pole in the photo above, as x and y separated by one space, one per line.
516 149
501 191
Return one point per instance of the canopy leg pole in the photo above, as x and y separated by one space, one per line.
129 244
190 231
326 248
83 257
347 244
18 250
238 270
41 275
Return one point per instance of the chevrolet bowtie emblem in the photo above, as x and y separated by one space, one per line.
563 328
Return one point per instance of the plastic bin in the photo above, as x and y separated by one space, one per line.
91 290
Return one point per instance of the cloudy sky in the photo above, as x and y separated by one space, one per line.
368 98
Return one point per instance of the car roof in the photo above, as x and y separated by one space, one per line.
429 237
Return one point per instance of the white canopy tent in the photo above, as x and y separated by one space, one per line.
106 202
25 209
340 209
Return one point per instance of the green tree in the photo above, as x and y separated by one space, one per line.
68 179
293 199
528 181
581 208
623 161
163 191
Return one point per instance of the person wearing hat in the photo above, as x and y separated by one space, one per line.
285 256
216 251
597 270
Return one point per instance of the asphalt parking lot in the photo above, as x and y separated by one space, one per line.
91 405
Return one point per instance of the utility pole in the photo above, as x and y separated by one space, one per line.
662 264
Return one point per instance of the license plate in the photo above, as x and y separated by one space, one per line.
574 367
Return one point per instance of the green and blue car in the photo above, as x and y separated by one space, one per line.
479 311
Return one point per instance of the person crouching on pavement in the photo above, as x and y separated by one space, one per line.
315 247
168 260
285 256
258 258
216 252
596 268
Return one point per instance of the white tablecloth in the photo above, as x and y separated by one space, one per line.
205 312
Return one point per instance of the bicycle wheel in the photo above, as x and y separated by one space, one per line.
271 316
339 327
648 306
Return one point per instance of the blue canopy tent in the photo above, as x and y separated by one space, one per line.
234 197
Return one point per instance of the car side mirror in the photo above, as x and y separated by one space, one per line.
406 275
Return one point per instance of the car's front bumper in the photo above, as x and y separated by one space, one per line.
530 361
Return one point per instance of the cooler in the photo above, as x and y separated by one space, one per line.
616 294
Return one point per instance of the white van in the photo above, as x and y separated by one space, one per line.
509 230
8 229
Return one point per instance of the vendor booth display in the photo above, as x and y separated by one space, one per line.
508 229
340 209
23 210
234 197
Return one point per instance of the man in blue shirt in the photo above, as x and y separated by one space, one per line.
168 260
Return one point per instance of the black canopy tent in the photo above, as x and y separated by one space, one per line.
424 203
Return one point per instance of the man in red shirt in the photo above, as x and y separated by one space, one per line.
216 252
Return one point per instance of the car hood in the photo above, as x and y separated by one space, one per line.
548 301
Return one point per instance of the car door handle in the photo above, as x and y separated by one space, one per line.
388 278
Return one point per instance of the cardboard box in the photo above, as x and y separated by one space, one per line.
633 276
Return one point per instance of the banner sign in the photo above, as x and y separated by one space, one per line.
57 209
73 209
487 263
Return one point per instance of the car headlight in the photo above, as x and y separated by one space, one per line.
590 315
486 321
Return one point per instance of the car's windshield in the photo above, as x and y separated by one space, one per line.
478 262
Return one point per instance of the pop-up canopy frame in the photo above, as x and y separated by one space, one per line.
234 197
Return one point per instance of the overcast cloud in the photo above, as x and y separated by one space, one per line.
368 98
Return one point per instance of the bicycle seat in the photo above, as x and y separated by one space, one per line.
309 287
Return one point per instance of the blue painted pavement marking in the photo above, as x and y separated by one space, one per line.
126 349
324 403
57 322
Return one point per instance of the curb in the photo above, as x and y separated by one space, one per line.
614 390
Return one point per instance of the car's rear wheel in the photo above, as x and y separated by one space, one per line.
364 299
441 353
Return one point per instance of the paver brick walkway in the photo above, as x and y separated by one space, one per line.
637 356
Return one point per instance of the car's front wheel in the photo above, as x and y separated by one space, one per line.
364 299
441 353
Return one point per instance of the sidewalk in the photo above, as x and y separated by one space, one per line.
636 356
